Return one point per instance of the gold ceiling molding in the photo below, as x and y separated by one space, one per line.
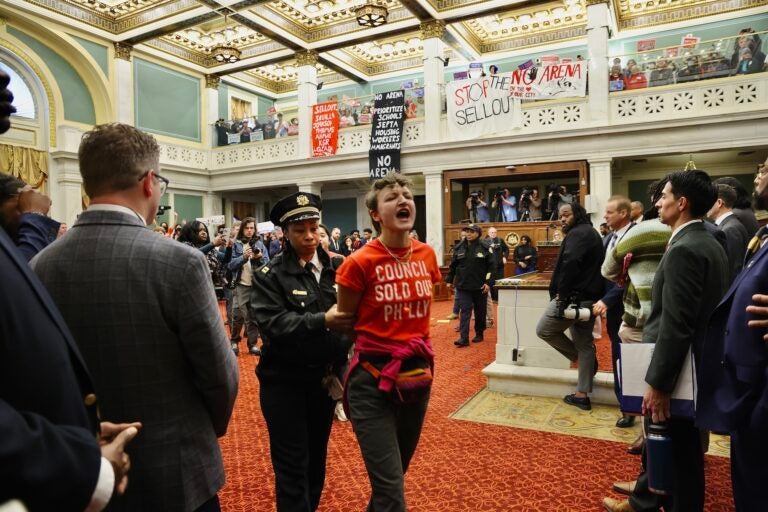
157 13
76 12
561 35
117 9
447 5
212 81
597 2
351 60
183 53
18 52
633 14
123 50
432 28
306 58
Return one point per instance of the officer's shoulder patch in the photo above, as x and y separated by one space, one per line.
264 269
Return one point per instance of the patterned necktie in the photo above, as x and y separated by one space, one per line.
756 243
614 240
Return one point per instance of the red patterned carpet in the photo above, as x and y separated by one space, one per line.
459 466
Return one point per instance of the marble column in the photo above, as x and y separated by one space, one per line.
433 198
65 186
306 60
598 19
211 107
434 71
123 83
600 189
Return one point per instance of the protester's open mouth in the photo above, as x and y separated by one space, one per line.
404 213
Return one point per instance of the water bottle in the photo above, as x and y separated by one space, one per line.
660 462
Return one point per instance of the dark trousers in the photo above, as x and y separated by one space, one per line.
497 274
612 324
688 494
299 418
387 431
749 469
212 505
468 300
241 315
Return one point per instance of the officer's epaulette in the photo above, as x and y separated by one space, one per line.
265 269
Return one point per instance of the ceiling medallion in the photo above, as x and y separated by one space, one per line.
226 54
371 14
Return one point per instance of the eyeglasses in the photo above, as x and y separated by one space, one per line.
164 182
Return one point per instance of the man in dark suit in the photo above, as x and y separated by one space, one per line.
617 216
734 395
735 232
689 282
576 280
50 454
23 215
143 311
336 240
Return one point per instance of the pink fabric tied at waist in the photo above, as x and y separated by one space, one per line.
399 350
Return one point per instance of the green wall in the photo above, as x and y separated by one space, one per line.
97 51
166 102
340 213
187 207
78 103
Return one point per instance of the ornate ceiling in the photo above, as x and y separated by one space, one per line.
268 33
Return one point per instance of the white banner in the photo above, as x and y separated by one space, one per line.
547 82
481 106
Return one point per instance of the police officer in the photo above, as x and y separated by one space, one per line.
470 273
294 302
500 252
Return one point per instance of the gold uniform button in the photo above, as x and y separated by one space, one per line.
90 399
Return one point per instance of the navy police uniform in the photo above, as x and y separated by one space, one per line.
471 267
299 357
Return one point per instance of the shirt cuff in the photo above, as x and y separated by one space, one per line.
104 487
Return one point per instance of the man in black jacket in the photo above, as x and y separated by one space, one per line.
293 300
470 273
576 280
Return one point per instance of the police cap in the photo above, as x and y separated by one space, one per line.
296 207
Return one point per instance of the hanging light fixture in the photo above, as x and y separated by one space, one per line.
690 165
225 52
371 14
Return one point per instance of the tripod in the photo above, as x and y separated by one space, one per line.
526 216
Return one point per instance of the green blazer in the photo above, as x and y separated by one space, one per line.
692 277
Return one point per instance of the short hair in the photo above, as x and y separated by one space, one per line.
114 156
696 187
743 198
368 230
243 224
622 203
580 215
726 193
636 203
9 186
372 197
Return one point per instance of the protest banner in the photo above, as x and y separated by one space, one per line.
325 129
645 45
386 134
263 228
561 81
481 106
690 41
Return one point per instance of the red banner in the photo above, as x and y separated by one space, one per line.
325 129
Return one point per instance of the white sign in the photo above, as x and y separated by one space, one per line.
216 220
264 227
481 106
546 82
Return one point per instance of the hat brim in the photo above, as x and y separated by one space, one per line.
300 217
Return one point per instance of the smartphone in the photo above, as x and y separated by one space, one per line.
225 233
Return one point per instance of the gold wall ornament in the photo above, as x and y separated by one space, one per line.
212 81
306 58
123 50
597 2
432 28
512 239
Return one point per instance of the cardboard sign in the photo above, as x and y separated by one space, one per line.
671 53
460 75
386 134
560 81
633 365
264 227
689 41
646 45
527 64
481 106
325 129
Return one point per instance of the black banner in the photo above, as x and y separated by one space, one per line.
386 134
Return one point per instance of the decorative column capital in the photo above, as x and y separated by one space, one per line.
306 58
212 81
123 50
432 28
597 2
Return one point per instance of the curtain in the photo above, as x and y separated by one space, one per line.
27 164
240 109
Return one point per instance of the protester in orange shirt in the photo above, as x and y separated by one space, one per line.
387 284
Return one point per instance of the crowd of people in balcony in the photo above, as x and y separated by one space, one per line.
747 58
249 129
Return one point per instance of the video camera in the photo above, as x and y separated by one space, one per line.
572 309
162 209
475 197
525 199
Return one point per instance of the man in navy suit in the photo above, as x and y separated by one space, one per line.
23 215
50 455
734 395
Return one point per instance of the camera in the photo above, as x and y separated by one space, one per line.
161 209
475 197
581 312
525 199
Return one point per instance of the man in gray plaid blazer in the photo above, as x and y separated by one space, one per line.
144 314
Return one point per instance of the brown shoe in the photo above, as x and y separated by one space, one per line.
636 448
625 488
453 316
613 505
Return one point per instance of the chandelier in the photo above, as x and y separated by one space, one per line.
226 54
371 14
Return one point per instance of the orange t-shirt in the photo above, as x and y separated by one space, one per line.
397 297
